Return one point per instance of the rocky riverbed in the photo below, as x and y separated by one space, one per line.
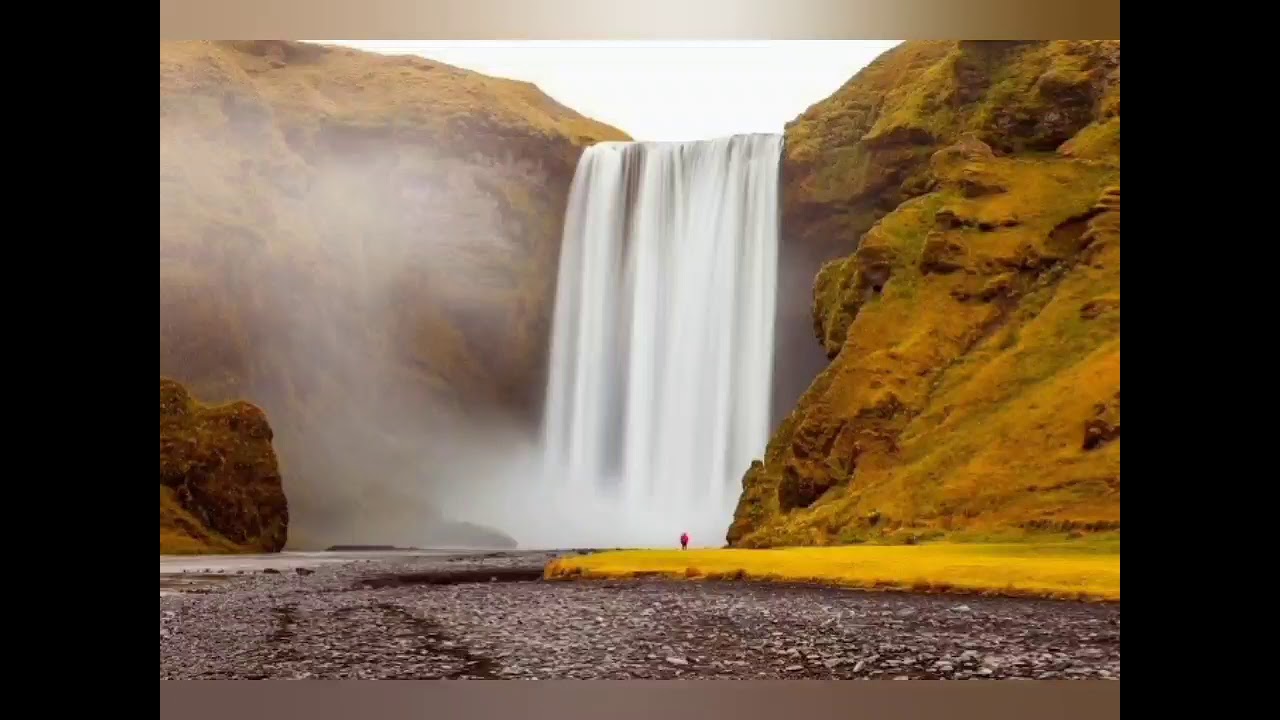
482 617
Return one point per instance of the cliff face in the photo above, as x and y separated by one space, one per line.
363 245
973 334
220 487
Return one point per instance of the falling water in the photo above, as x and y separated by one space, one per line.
662 346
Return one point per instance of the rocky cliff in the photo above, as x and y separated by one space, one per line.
966 199
220 486
363 245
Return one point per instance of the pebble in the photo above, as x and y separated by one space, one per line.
324 625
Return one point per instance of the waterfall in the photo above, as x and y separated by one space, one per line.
662 340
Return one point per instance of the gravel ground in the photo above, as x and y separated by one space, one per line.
324 623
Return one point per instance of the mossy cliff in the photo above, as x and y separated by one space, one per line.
220 486
363 245
969 194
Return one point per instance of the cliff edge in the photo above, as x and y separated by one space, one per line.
970 195
220 486
366 247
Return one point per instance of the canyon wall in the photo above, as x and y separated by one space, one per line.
365 246
962 202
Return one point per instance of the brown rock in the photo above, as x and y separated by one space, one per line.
1001 285
942 253
1099 306
219 464
1104 426
968 148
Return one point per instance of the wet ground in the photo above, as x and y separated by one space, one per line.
441 615
182 572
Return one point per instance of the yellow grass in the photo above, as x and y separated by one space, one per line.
176 543
1084 571
181 533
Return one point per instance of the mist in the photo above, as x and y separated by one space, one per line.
381 297
385 295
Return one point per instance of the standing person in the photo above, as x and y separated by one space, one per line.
684 541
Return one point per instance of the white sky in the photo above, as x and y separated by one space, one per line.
664 90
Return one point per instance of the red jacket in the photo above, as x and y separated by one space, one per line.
684 538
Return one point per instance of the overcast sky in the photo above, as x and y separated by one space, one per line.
664 90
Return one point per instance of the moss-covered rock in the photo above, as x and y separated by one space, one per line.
974 330
220 486
862 152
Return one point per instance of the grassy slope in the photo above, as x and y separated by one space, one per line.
1084 571
974 336
181 533
220 486
354 241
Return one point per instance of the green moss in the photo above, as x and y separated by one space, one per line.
1097 141
219 479
863 151
970 374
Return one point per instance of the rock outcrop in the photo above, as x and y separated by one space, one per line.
974 332
363 245
220 485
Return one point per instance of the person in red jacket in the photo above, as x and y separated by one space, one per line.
684 541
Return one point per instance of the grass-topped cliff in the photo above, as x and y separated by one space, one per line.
363 245
220 486
969 194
